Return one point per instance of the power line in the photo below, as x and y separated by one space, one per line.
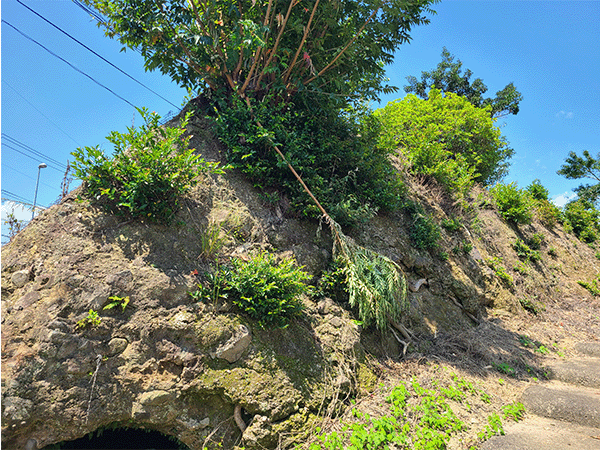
67 62
6 166
17 198
31 157
25 147
99 56
47 118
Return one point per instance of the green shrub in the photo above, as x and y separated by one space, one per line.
424 231
514 204
525 252
150 169
584 219
593 286
452 224
537 191
535 241
547 213
266 289
446 137
334 152
497 266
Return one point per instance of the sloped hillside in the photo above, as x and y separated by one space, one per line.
206 374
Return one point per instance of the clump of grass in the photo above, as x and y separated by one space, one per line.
497 266
593 286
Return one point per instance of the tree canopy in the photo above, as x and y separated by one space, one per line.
578 167
446 137
254 47
449 78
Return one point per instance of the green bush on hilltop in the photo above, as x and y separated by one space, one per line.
584 219
547 213
445 137
149 171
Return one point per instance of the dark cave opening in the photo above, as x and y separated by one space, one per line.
122 439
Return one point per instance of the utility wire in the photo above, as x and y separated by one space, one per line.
17 198
67 62
38 159
99 56
33 106
14 141
6 166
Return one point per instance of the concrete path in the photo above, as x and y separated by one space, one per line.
563 414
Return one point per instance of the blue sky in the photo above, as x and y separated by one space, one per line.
548 49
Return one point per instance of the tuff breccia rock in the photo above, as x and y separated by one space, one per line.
165 362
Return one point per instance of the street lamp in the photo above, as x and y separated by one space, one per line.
37 183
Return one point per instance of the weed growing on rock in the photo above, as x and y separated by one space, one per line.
593 286
91 319
493 428
452 224
496 265
525 252
266 289
514 411
424 231
117 301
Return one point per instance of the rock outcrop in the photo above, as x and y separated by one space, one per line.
170 363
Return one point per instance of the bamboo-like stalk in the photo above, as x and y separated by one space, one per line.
345 48
276 45
288 71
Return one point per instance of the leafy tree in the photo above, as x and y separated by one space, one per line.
255 47
446 137
578 167
537 190
448 77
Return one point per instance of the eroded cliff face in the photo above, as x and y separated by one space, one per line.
165 361
203 372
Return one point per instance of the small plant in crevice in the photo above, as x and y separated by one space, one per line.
535 241
593 286
497 266
117 301
525 252
521 268
531 305
92 319
211 241
553 252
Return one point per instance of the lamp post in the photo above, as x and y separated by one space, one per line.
37 183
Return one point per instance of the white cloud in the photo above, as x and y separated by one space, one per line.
565 114
562 199
20 212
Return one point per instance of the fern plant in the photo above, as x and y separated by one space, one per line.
376 284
